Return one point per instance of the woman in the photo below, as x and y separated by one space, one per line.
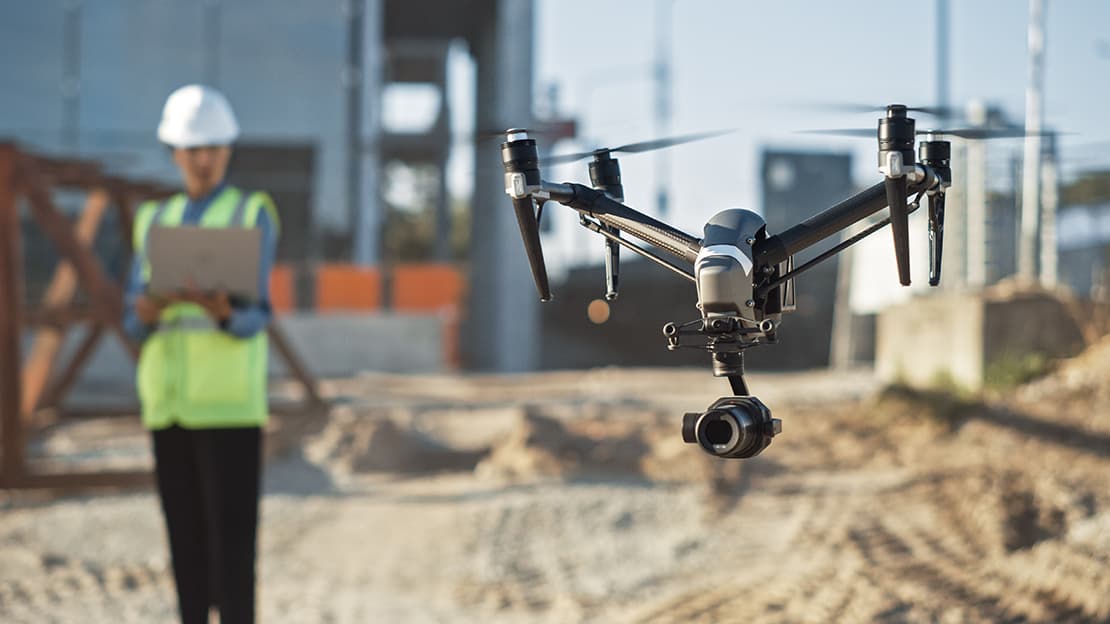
202 371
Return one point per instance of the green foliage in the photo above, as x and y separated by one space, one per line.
1089 188
946 408
1012 370
943 381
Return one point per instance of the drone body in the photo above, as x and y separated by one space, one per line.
743 274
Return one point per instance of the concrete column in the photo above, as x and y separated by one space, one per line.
976 214
442 251
1031 175
363 80
954 266
1049 200
501 331
976 197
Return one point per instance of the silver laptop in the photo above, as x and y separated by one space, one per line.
211 259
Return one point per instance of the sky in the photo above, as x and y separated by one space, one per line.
737 64
755 66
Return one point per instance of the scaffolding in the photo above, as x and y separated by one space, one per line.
36 384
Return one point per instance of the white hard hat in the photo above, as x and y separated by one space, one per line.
196 115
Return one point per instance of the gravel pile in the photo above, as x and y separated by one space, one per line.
573 498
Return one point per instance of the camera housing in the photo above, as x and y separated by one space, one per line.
736 427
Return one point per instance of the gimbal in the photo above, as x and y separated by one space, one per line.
743 274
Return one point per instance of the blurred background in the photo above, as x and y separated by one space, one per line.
402 291
371 125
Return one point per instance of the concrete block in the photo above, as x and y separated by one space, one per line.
330 345
340 345
957 338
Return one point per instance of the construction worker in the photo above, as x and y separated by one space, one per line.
202 371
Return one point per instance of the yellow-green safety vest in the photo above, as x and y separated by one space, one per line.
190 372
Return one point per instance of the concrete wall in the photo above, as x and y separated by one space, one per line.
329 345
959 337
336 345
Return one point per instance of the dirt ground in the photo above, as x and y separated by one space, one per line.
570 497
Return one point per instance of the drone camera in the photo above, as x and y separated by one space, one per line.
735 427
744 275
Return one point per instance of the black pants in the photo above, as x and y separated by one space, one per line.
208 480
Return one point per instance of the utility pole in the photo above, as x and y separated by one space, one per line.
976 197
71 74
212 36
362 74
352 82
956 227
1049 200
942 54
1031 164
662 102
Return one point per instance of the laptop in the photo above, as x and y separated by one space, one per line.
209 259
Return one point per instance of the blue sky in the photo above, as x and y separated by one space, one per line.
737 64
741 64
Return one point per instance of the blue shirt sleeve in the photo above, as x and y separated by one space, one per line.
249 318
132 325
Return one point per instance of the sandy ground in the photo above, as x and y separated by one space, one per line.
570 497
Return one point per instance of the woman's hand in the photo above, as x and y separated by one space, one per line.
148 309
215 304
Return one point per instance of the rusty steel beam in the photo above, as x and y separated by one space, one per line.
79 480
11 293
106 295
299 370
22 174
128 345
64 171
103 292
63 285
125 212
62 317
107 411
59 388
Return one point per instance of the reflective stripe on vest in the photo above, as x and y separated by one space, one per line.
190 372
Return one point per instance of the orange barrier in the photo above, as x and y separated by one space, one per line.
430 288
426 287
283 295
436 288
348 287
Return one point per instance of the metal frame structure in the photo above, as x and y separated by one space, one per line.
28 386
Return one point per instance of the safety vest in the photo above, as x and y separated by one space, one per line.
190 372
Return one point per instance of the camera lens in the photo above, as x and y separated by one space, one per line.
718 432
733 427
725 431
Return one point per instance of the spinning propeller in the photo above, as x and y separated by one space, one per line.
637 148
522 179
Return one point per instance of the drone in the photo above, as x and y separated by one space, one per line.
743 273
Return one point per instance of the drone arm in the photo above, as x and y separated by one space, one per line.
767 287
617 240
777 248
615 214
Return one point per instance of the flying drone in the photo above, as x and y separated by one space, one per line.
743 273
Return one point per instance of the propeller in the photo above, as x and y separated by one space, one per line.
636 148
963 133
948 112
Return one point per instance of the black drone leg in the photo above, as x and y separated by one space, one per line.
739 386
731 365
